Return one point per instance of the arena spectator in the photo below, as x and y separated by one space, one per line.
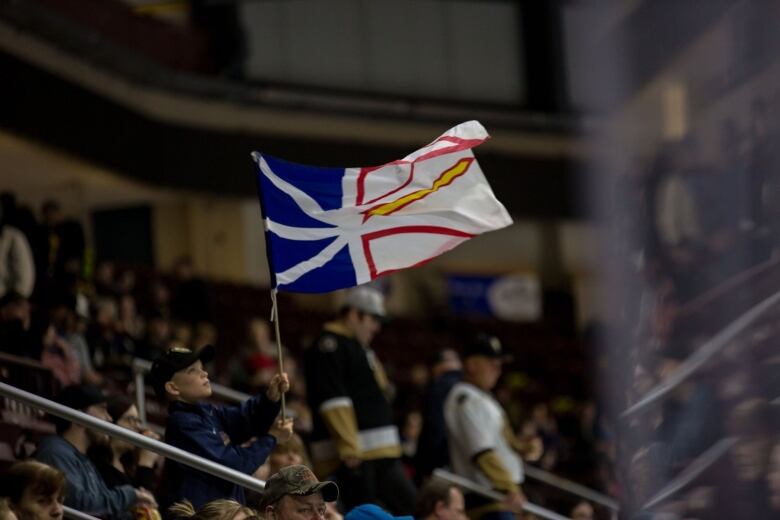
438 500
432 449
482 446
216 433
582 511
35 491
63 251
16 336
119 462
294 493
221 509
191 300
157 337
346 383
67 450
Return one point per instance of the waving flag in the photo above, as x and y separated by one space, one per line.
331 228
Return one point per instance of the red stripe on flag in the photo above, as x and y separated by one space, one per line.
458 145
436 230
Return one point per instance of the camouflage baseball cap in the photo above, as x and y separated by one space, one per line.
296 480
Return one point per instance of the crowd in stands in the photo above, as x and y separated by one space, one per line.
83 322
702 252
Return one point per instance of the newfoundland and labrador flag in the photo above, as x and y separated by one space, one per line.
332 228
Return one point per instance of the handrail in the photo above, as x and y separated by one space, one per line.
702 355
572 487
24 361
136 439
710 295
469 485
69 512
693 470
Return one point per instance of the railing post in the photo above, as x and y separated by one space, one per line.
140 393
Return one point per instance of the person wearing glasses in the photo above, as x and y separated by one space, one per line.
118 461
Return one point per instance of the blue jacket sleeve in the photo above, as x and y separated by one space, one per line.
86 490
191 434
252 418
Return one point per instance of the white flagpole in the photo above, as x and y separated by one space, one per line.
275 319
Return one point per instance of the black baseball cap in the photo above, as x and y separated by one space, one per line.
487 346
80 397
173 360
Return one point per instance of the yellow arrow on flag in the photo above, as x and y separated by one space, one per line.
445 179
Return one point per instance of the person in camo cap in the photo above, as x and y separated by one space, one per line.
294 493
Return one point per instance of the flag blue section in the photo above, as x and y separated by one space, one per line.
321 184
334 275
281 208
289 253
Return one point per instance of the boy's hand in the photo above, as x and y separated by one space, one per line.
278 385
282 430
148 458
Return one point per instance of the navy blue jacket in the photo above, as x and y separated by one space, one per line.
86 490
216 433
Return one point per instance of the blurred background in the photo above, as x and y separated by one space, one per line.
634 143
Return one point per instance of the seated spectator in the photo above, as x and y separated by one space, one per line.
438 500
221 509
293 453
216 433
294 493
111 349
67 450
257 363
157 337
15 322
63 249
59 357
289 453
35 491
69 315
191 301
119 462
582 511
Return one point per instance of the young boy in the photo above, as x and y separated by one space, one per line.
239 437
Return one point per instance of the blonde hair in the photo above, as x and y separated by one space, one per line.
5 510
222 509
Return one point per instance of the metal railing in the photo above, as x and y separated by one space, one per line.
133 438
702 355
572 487
693 471
468 485
78 515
